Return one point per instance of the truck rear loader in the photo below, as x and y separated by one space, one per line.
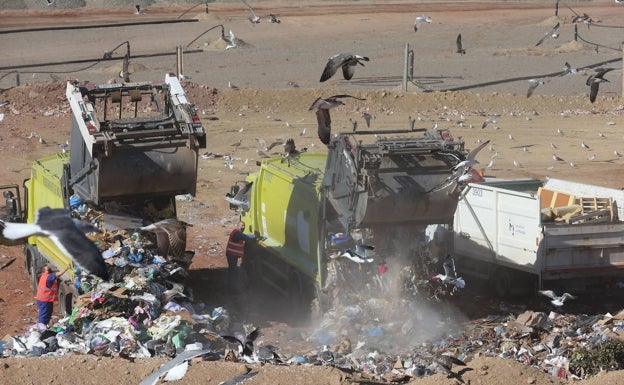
133 147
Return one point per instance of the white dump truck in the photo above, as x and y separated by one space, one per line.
525 235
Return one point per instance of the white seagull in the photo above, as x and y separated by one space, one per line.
255 19
67 233
554 33
346 61
421 19
533 83
556 300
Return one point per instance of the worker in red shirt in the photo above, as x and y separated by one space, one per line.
234 251
47 293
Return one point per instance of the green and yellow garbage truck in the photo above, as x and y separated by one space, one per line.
133 147
372 188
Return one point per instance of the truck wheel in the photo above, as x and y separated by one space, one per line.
67 298
33 263
502 282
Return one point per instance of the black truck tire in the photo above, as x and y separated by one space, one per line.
33 262
67 298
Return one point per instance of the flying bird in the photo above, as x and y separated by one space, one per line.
50 2
421 19
367 117
245 342
170 236
266 147
322 107
255 19
290 151
556 299
273 19
568 69
488 121
232 42
593 81
533 83
347 61
556 158
67 233
554 33
460 48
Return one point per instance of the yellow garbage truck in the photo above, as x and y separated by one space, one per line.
369 199
133 147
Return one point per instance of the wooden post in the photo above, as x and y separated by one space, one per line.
179 62
556 7
575 32
405 65
622 50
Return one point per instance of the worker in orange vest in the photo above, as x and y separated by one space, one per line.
234 251
47 293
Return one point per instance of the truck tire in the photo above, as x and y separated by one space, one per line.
33 263
502 282
67 298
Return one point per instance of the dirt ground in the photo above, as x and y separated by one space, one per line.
276 70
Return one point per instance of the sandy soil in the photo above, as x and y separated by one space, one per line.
276 69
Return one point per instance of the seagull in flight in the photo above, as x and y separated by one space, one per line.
460 48
347 61
170 236
593 81
533 83
554 33
557 300
255 19
266 147
321 107
232 42
290 151
568 69
421 19
67 233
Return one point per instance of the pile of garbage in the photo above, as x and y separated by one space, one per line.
383 334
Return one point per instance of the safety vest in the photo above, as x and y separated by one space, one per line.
44 293
235 249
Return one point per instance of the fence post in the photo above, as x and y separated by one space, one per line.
17 78
179 62
622 50
405 65
575 32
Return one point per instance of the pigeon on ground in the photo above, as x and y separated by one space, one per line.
460 48
533 83
593 81
170 236
67 233
255 19
347 61
556 300
421 19
554 33
322 107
